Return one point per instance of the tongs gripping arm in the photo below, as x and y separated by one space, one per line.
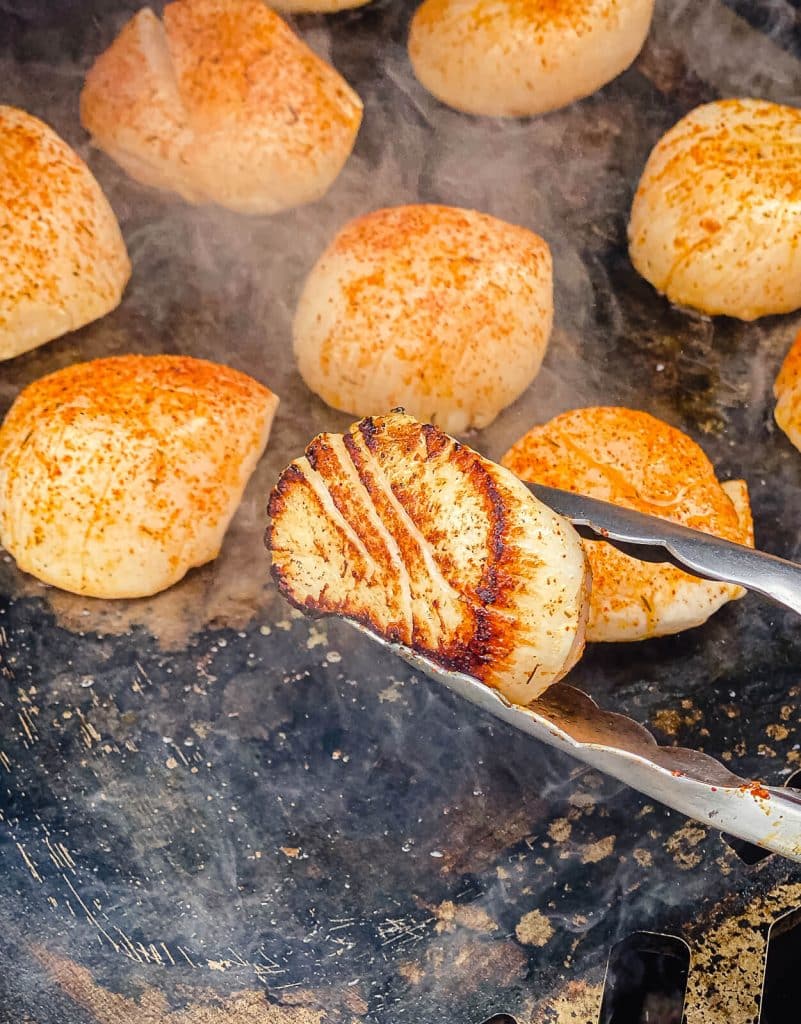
658 540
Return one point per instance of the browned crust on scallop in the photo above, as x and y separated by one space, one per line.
483 637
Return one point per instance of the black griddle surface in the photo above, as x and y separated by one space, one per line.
213 810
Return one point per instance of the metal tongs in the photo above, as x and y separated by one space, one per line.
688 781
657 540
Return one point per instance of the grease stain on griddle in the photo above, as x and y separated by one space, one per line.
683 845
393 693
591 853
534 929
728 945
729 955
559 830
451 915
462 963
577 1002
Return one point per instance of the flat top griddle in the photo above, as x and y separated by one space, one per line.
213 810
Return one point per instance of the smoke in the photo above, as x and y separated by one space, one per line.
218 285
305 738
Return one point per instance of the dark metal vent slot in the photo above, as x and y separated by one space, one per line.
646 980
749 853
781 992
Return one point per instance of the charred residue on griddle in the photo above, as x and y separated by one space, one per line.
684 844
577 1001
534 929
672 720
728 947
451 916
667 70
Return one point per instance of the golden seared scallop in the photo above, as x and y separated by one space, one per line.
119 475
635 460
222 103
445 312
516 58
399 527
62 256
787 390
716 219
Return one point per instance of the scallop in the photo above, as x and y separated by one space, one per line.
632 459
787 390
716 219
317 6
397 526
119 475
442 311
516 58
63 259
221 102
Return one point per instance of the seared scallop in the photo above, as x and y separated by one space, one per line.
222 103
62 256
445 312
515 58
716 220
787 390
397 526
119 475
632 459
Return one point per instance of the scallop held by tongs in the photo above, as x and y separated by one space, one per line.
423 542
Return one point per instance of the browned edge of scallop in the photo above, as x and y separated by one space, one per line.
468 654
